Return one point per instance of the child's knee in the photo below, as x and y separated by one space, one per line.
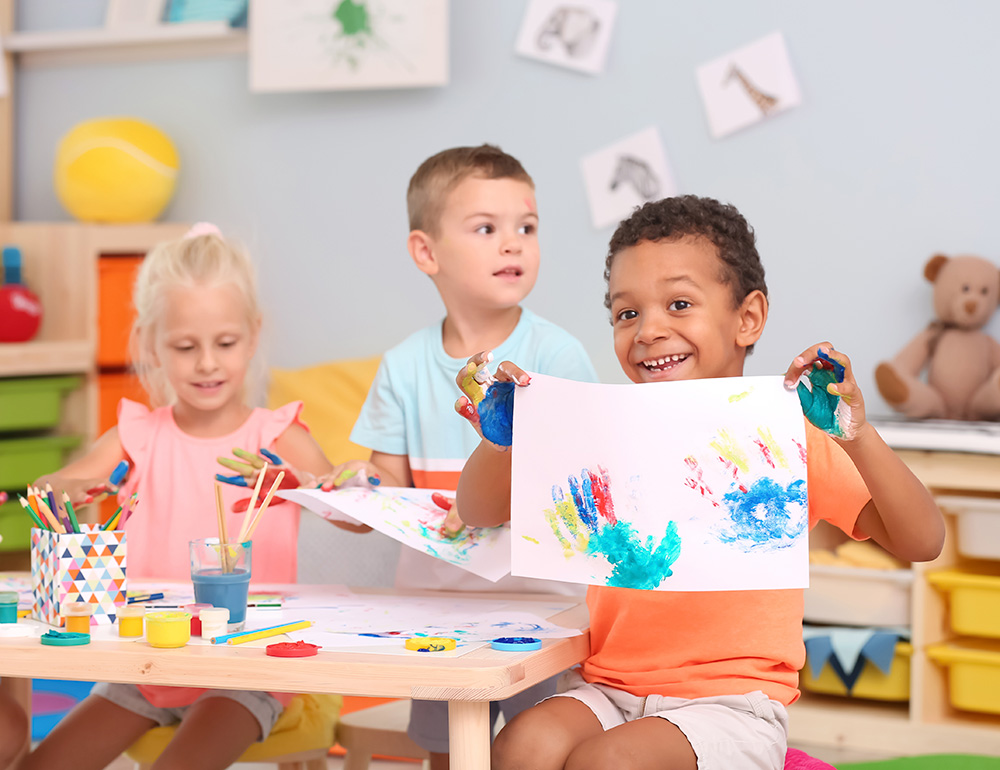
528 741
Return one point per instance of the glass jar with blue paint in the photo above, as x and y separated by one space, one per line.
221 576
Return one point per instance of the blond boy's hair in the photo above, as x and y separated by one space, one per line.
204 260
440 174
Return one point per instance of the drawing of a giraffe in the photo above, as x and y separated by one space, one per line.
765 102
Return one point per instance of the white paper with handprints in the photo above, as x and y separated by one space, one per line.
411 517
696 485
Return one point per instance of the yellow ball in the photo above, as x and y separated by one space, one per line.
115 170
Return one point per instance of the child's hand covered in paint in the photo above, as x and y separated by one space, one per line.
353 473
488 402
249 466
453 523
830 397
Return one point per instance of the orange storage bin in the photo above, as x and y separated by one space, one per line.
115 277
112 387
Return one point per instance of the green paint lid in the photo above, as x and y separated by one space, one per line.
64 639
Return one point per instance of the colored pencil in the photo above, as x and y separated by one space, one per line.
264 633
263 505
283 626
133 503
43 508
31 512
144 598
67 503
114 517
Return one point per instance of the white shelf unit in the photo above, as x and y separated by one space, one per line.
129 44
927 724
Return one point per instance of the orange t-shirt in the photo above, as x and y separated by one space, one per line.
707 643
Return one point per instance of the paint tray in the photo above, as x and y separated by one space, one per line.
33 403
858 596
88 567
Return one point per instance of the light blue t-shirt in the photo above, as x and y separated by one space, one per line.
410 410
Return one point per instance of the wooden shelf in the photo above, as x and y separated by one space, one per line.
101 45
30 358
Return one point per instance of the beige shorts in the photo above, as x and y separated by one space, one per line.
745 731
265 707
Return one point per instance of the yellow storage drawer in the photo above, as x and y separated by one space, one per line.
973 673
873 684
974 600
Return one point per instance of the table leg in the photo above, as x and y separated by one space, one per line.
469 734
19 688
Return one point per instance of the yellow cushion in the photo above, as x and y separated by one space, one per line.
308 722
332 394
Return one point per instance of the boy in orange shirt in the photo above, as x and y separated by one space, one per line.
687 680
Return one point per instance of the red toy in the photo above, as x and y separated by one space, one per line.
20 310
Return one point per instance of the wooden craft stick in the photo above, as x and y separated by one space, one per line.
263 506
223 538
248 517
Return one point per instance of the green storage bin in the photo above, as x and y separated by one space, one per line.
22 460
15 527
33 403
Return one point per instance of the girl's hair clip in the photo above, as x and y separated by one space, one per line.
202 228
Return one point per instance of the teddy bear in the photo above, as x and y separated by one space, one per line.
962 361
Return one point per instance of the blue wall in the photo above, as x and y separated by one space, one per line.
892 156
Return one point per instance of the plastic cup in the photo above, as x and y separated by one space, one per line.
77 615
8 607
221 577
214 622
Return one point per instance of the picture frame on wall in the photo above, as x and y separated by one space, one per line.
134 13
318 45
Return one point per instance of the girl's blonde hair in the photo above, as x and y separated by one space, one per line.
204 259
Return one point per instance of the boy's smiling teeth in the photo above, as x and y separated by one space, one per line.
665 362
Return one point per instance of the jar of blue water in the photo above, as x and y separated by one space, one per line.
221 577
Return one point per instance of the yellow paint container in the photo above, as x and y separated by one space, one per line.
77 616
168 628
130 619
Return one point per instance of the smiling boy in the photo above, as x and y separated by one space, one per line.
683 680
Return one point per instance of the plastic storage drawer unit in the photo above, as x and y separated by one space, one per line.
973 674
22 460
974 599
32 403
873 684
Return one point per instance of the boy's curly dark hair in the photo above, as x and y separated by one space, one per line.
689 215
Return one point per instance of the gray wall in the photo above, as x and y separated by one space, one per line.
892 157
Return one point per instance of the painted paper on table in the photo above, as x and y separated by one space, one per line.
411 517
697 485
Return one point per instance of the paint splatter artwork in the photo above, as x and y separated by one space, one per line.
415 520
334 44
688 486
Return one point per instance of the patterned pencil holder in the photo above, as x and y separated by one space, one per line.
88 567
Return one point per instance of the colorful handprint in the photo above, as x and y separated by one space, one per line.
584 521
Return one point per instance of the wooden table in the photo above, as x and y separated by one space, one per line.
468 682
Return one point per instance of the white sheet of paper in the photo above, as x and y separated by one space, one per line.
574 35
747 85
625 175
319 45
696 485
409 516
